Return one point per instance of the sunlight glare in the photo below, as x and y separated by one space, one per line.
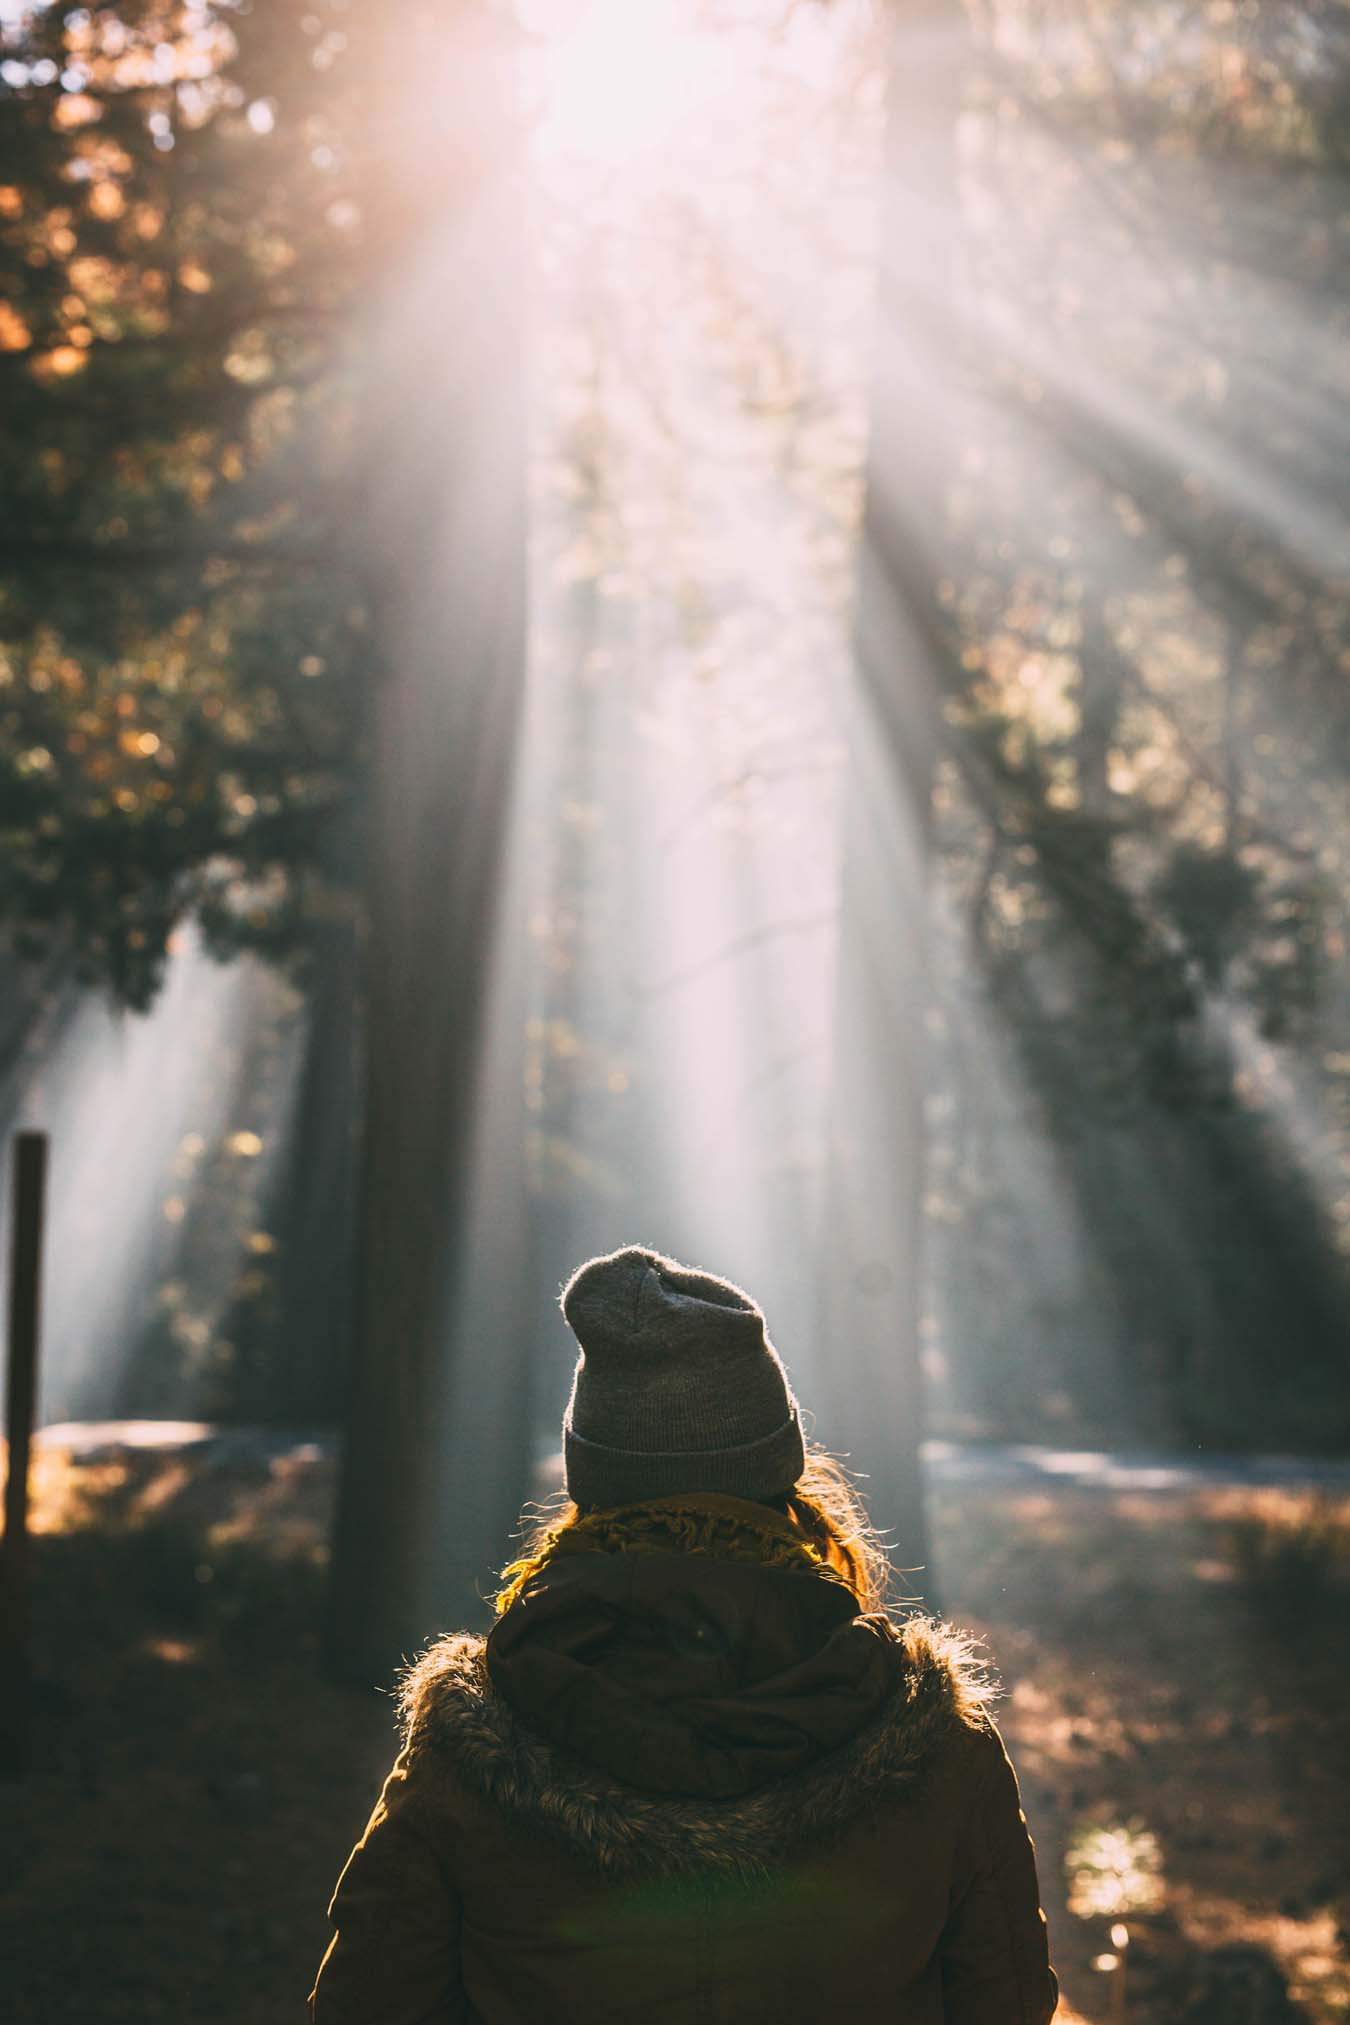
615 79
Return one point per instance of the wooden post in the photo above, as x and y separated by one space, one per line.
30 1174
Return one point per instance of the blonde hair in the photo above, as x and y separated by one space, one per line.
823 1508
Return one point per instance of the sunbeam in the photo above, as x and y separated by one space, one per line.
167 1130
691 625
718 627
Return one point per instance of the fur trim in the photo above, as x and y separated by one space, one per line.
451 1710
726 1529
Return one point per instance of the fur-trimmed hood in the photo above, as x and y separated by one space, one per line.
455 1713
686 1776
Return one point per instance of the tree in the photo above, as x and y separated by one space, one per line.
184 703
438 1443
1145 792
183 714
262 332
872 1296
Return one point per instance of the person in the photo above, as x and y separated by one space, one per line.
695 1772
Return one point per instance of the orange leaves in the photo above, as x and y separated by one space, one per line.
106 200
15 335
61 362
75 109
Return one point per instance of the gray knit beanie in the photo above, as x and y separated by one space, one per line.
677 1387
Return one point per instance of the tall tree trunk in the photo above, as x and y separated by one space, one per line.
436 1457
312 1198
869 1365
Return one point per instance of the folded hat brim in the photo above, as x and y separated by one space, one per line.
600 1476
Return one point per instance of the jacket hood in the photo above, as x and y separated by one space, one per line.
699 1678
675 1713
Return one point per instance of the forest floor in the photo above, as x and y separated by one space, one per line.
1174 1662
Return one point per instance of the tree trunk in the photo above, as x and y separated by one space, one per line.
869 1384
311 1209
437 1450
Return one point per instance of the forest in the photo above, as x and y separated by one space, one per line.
724 624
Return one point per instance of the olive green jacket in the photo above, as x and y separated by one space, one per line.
681 1791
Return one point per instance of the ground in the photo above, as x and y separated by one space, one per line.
1174 1664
